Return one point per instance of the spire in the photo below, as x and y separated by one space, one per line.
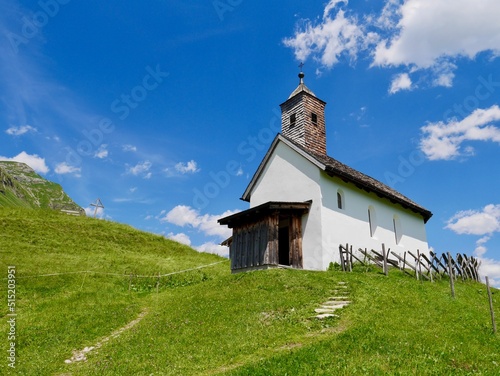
302 86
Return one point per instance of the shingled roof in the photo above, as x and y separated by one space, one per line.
334 168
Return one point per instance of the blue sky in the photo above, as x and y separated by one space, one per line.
165 110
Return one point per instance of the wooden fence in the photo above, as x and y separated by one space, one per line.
415 264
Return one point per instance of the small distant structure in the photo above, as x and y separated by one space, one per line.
76 213
97 204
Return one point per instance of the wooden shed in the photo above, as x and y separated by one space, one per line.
266 236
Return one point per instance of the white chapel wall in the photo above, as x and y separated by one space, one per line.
351 224
290 177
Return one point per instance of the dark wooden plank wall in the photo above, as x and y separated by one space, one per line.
256 244
250 245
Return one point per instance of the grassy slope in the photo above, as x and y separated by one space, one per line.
210 322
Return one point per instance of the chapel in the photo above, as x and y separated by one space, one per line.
304 203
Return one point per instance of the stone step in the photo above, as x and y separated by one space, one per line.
337 306
325 315
324 310
337 302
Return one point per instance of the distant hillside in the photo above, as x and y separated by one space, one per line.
21 186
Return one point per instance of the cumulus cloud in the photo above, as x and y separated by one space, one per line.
180 237
429 32
64 168
484 223
412 35
186 216
491 269
34 161
476 222
102 152
190 167
18 131
91 211
336 35
216 249
400 82
443 140
141 168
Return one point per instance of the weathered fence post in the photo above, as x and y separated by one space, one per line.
158 283
450 271
130 283
384 256
491 306
350 259
342 263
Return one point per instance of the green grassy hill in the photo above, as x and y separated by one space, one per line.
79 288
20 186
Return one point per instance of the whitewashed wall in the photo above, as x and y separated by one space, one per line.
351 225
290 177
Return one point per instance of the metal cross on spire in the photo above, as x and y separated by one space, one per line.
301 65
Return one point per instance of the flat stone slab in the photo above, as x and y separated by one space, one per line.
334 307
324 310
337 302
338 298
325 315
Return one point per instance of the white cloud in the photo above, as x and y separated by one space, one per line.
480 248
64 168
473 222
400 82
483 223
491 269
130 148
102 152
18 131
184 216
429 32
34 161
413 34
91 211
190 167
443 140
141 169
216 249
334 36
180 237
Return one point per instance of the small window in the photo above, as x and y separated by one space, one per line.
314 118
340 199
372 221
397 229
293 120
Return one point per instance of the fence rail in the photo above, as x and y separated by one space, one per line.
419 265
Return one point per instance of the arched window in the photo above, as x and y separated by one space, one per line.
340 199
372 220
398 234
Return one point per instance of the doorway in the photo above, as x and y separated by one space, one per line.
284 242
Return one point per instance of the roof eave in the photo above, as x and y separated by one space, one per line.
426 214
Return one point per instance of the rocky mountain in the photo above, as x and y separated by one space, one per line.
21 186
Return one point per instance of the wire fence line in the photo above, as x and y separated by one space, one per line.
123 274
